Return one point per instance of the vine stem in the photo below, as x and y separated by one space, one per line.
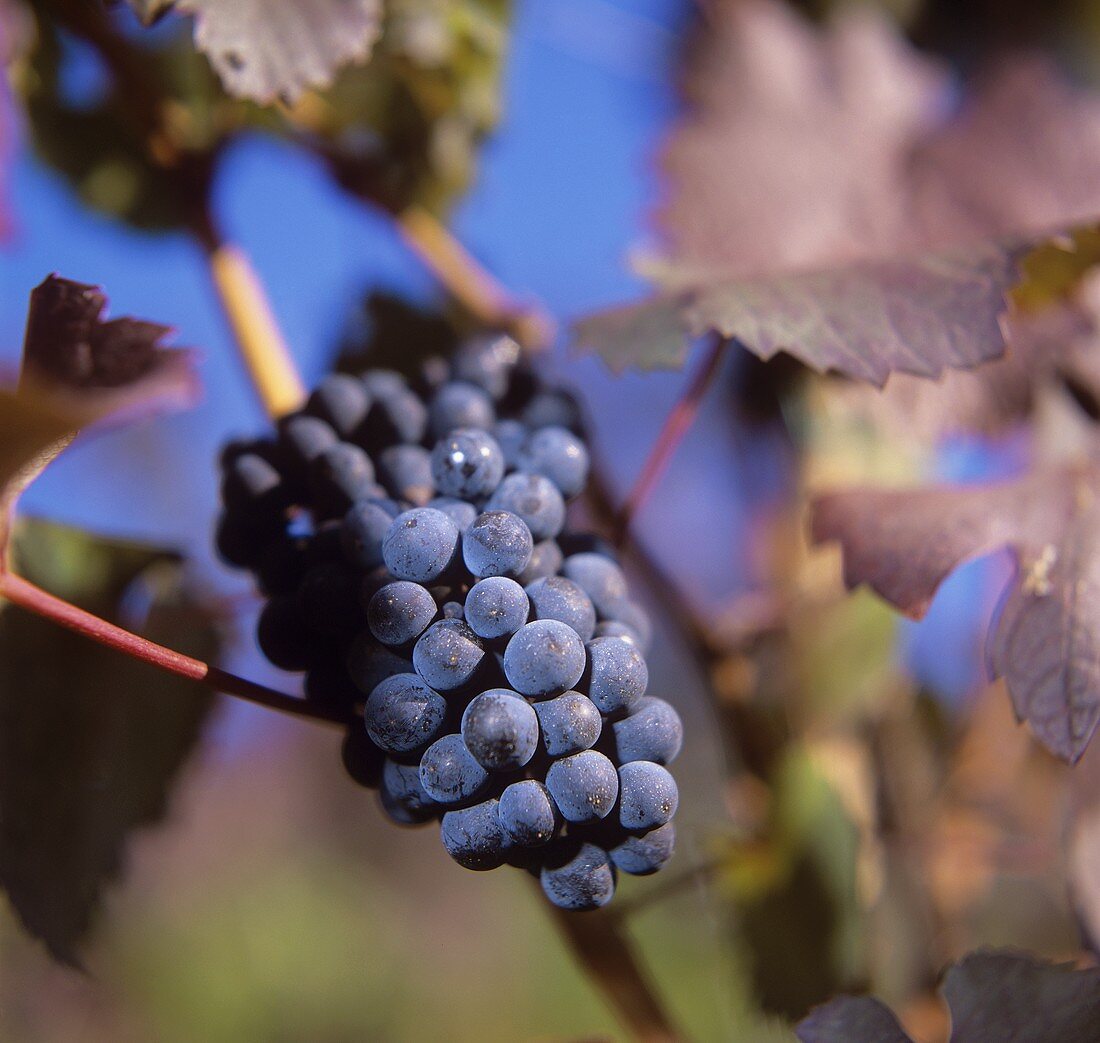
260 342
470 283
597 941
34 599
675 428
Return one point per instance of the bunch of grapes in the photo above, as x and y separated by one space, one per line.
409 540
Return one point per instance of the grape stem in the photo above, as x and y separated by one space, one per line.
256 332
470 283
34 599
597 941
675 428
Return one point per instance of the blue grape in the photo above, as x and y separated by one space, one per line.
587 543
618 675
362 760
339 477
420 545
600 578
584 786
404 799
553 407
535 499
473 836
364 528
328 599
240 540
382 384
648 796
570 723
510 436
369 663
459 404
448 655
342 401
467 462
253 486
398 416
487 362
305 438
496 607
642 855
403 714
406 472
282 635
583 880
400 612
528 814
500 730
328 685
556 597
459 511
613 628
449 773
282 563
651 732
631 615
559 455
497 544
545 561
544 659
454 610
433 373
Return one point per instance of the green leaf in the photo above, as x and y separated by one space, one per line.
90 740
404 129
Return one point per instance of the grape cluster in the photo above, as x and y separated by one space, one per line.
409 539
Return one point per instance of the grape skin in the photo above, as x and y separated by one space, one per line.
544 658
586 880
500 729
584 786
496 607
420 545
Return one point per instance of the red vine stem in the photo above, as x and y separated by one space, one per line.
34 599
676 426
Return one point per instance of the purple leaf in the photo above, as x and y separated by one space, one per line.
1046 645
851 1019
828 197
81 372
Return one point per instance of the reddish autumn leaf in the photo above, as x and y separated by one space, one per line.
904 543
828 197
81 371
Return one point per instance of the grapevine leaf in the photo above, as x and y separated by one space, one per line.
851 1019
91 741
920 315
80 371
404 129
275 50
1007 995
1046 644
991 995
850 211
